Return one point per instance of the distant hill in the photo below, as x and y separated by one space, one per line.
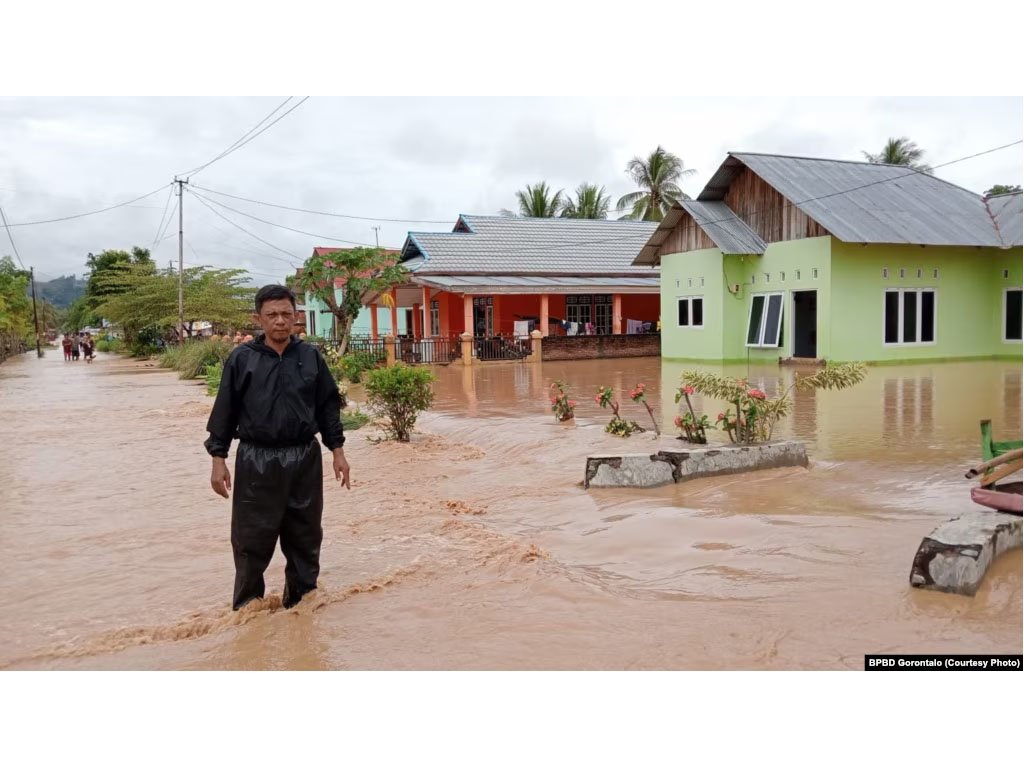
61 291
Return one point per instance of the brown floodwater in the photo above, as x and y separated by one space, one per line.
476 547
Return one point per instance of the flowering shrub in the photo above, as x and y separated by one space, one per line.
563 407
756 414
637 396
692 428
618 425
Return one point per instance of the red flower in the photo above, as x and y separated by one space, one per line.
554 400
688 389
721 416
597 398
679 421
572 403
757 394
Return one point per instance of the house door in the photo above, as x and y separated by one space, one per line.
483 316
805 324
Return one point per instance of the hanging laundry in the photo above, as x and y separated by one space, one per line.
521 328
634 326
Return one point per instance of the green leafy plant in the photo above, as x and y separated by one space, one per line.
756 414
214 373
192 358
353 420
110 345
397 394
353 365
619 426
563 408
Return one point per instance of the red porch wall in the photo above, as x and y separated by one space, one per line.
645 307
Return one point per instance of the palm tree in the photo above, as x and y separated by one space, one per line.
657 176
590 202
536 201
901 151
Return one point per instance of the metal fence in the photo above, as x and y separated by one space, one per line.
431 351
501 348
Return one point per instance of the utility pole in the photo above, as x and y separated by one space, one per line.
181 259
35 315
376 234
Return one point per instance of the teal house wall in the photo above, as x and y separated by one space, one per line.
319 319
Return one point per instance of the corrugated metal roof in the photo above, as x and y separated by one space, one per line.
867 202
538 284
727 230
503 244
1008 213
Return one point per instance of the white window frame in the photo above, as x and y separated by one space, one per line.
689 312
1006 292
899 312
764 314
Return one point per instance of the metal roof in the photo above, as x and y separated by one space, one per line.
504 244
867 202
1008 214
727 230
535 284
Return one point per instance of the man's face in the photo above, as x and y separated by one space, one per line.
276 318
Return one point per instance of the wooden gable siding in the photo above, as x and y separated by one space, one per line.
686 236
767 212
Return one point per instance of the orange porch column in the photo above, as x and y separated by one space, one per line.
394 311
417 322
617 313
544 314
426 311
467 314
373 322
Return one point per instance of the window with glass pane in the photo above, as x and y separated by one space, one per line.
909 317
697 312
892 317
1012 321
754 328
435 318
772 321
684 312
927 316
603 318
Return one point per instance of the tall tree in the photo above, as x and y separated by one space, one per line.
361 273
1002 189
590 202
16 325
657 175
97 287
901 151
537 201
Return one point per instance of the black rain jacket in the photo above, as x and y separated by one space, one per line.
274 400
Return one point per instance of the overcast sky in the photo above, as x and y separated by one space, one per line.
413 158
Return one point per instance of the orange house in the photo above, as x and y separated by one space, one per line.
505 276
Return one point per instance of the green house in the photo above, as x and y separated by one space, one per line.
791 257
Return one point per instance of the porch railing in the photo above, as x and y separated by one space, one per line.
433 350
501 348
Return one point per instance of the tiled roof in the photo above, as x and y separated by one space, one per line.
868 202
516 245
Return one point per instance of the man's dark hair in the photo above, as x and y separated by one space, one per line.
272 292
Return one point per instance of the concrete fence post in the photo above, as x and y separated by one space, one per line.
536 346
389 349
467 347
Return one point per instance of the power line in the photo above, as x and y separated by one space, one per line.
325 213
240 249
11 237
281 226
246 138
89 213
156 238
250 234
163 235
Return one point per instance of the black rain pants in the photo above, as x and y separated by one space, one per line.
277 492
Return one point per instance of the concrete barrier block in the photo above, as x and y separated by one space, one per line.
956 556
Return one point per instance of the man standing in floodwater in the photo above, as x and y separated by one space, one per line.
276 393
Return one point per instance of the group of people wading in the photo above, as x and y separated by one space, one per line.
79 346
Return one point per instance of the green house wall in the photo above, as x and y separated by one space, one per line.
850 286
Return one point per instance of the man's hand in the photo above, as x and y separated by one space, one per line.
341 468
220 477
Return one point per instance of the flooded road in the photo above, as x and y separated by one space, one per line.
476 547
